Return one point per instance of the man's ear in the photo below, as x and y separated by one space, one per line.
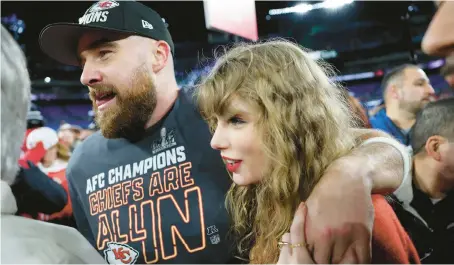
432 146
161 55
394 91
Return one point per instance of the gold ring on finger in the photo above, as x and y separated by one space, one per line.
298 245
283 243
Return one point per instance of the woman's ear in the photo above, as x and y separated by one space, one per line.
161 55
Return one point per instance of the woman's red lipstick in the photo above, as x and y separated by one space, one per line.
231 164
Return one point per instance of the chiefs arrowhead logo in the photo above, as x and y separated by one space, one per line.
117 253
102 5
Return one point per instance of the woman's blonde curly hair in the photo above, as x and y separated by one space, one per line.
303 123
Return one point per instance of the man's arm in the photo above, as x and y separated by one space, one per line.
380 164
384 161
340 210
364 134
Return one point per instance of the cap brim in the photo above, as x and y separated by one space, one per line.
59 41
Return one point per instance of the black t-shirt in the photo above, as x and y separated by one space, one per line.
159 200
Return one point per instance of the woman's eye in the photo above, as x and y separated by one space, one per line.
236 120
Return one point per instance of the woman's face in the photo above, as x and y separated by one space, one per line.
238 140
51 154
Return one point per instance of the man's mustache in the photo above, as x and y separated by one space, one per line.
102 90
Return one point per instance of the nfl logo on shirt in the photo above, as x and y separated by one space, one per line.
117 253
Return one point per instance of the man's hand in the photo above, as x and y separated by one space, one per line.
340 215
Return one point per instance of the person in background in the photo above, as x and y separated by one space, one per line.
359 113
53 163
91 128
406 90
25 240
69 135
34 191
37 145
425 206
34 120
279 123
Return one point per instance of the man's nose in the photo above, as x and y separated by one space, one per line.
90 75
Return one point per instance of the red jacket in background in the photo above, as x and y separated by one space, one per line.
390 242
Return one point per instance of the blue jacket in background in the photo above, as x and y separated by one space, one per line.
382 122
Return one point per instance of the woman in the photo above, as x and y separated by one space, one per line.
278 122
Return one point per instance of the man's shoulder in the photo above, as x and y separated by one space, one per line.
187 99
379 119
187 109
96 136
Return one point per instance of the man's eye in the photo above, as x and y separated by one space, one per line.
104 53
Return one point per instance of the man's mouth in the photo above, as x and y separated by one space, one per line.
102 98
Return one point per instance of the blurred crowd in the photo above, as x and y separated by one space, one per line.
48 151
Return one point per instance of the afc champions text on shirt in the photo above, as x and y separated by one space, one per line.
123 186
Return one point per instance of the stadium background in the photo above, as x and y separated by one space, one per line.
361 39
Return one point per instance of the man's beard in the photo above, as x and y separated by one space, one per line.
413 106
132 110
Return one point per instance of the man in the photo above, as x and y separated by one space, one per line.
426 206
29 241
148 187
406 90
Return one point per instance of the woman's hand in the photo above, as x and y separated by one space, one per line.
293 244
